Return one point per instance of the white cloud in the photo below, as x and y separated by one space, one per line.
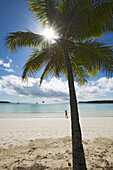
49 90
106 83
55 84
9 70
1 62
6 65
10 60
56 89
0 87
94 90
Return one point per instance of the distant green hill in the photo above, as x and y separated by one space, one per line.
98 101
4 102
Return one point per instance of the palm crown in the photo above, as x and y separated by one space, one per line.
76 22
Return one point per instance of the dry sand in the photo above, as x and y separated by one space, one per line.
34 144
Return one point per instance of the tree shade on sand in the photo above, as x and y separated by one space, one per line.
73 52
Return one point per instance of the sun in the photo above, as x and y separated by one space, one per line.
49 33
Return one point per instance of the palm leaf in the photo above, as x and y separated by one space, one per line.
73 17
81 18
35 62
15 40
93 71
102 18
95 54
79 73
44 10
46 72
85 19
50 59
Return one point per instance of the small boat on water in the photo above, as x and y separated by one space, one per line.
18 102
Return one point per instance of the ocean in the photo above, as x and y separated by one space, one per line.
13 110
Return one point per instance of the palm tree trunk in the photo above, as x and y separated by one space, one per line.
79 162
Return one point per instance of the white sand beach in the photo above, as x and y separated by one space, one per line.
45 143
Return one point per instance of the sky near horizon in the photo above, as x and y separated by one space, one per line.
15 16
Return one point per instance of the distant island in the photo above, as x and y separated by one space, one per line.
4 102
97 101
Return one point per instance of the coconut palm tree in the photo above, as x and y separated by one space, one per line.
73 52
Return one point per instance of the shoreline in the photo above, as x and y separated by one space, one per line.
20 130
83 117
16 116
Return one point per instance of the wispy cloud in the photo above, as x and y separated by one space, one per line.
6 65
9 70
1 62
10 60
56 89
94 90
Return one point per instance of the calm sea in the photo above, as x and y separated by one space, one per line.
14 110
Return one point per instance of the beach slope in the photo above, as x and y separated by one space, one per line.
30 144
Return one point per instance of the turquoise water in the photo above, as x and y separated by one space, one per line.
13 110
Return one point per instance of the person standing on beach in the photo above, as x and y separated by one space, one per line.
66 116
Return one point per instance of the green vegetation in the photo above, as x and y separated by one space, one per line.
4 102
98 101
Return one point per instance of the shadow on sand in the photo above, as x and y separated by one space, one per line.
36 167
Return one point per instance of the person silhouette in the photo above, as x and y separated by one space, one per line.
66 116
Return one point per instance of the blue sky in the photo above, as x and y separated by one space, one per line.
15 16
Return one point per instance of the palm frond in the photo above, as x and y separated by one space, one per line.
15 40
82 18
93 71
46 71
95 54
65 44
35 62
85 19
53 67
102 18
50 58
74 17
44 10
79 72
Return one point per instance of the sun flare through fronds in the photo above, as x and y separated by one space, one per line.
49 33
